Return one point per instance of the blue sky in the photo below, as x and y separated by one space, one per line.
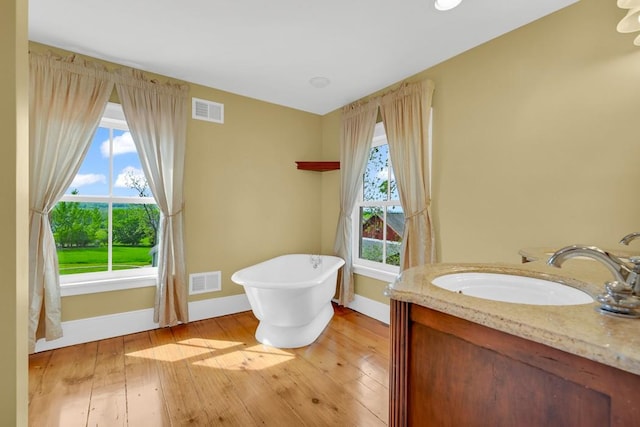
93 177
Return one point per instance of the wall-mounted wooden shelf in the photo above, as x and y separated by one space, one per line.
318 166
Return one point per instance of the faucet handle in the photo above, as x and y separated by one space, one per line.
616 289
635 260
619 300
634 277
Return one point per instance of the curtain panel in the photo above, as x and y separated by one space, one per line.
157 118
67 97
358 123
406 117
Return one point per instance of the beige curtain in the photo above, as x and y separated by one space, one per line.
157 118
66 101
406 116
358 123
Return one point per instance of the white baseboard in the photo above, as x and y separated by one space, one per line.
114 325
216 307
371 308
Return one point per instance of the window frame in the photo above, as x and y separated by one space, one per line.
373 269
104 281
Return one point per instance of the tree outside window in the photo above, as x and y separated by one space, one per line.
108 219
380 215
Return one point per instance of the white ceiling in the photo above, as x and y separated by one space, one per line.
269 50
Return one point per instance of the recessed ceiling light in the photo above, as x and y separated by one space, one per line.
319 82
446 4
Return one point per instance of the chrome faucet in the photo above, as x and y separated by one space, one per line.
629 237
621 297
618 268
315 260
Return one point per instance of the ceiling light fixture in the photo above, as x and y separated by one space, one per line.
319 82
628 4
447 4
631 22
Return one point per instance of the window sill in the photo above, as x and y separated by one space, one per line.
84 287
374 273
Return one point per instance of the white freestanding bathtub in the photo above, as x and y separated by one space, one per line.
291 297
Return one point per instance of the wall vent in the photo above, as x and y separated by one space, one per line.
210 111
200 283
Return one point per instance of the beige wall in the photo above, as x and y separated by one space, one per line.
330 195
245 201
535 140
14 213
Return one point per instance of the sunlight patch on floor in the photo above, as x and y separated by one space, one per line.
210 344
252 358
230 355
175 352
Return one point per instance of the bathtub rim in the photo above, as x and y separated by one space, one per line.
238 280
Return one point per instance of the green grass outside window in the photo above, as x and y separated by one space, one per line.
89 260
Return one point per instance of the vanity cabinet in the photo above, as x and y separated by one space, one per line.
447 371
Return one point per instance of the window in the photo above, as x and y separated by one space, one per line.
106 224
378 216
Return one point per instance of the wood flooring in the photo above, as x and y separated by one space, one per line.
214 373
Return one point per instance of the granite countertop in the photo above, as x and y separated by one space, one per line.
576 329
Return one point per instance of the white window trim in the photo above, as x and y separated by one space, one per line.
106 281
375 270
90 283
363 267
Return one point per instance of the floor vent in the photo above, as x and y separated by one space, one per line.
200 283
207 110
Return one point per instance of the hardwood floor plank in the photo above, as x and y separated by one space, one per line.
315 397
361 335
63 399
183 402
146 403
368 360
214 373
108 394
371 394
332 364
372 325
216 390
37 365
255 390
272 365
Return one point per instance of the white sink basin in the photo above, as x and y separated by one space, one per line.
511 288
